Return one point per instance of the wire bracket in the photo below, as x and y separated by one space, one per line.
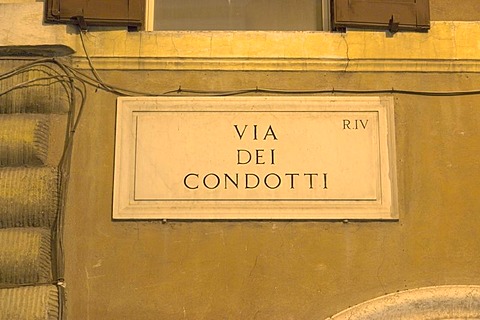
80 21
393 24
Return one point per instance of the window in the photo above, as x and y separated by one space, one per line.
282 15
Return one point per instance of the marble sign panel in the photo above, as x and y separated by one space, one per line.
263 157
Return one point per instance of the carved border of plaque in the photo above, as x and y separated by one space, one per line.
281 157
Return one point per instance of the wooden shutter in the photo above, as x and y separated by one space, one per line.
387 14
96 12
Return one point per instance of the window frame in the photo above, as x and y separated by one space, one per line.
150 16
413 15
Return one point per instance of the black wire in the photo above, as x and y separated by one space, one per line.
324 91
73 74
127 92
46 69
75 82
32 83
69 83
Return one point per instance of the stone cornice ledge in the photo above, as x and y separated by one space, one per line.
447 47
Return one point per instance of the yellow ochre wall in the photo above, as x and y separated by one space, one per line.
279 269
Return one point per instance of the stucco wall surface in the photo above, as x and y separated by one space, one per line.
272 269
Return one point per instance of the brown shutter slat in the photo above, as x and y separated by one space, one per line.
409 14
96 13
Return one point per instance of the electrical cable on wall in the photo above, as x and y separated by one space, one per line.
126 92
52 72
74 82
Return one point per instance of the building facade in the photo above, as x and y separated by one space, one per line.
273 269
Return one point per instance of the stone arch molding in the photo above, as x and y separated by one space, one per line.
452 302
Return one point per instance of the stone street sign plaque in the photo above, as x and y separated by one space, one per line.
255 158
